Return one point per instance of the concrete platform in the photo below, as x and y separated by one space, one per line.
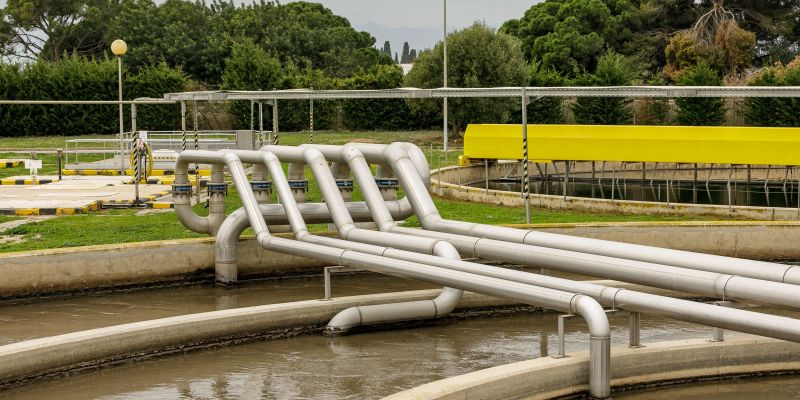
74 194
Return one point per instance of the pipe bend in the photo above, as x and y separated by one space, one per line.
593 313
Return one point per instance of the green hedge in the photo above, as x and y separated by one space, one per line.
75 78
774 111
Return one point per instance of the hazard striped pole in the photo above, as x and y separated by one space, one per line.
311 117
275 121
260 124
196 147
183 126
526 177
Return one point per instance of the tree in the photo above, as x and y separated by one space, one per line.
715 39
306 35
249 67
404 58
776 24
572 34
478 57
765 111
46 29
387 48
700 111
545 110
613 69
184 34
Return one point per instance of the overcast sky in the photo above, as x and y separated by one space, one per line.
416 21
420 21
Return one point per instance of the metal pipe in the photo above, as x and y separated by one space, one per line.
586 307
431 220
744 321
343 322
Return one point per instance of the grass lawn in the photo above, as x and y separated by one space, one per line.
125 225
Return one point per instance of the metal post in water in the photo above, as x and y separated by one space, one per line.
486 163
634 328
730 195
694 185
566 178
525 176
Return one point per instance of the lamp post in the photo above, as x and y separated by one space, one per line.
119 48
444 43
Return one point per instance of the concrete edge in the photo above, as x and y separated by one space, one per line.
658 363
37 358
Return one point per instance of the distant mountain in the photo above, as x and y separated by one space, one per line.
417 38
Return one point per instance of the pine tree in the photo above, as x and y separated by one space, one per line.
387 48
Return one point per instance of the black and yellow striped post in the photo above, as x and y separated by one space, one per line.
311 118
526 178
275 140
183 126
260 124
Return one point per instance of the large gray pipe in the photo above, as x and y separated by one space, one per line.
739 320
711 284
227 240
440 306
430 219
585 306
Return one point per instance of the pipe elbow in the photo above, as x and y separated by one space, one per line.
350 153
190 220
230 158
447 300
593 313
264 239
343 322
445 249
312 155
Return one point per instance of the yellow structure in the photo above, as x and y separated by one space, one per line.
682 144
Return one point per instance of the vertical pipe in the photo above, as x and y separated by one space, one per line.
526 176
252 119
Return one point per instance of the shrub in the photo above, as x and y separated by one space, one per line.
700 111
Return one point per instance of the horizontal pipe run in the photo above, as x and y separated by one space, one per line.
589 309
347 319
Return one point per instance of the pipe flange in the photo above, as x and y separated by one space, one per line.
217 188
344 183
261 185
181 188
387 183
299 184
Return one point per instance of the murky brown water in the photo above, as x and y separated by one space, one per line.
364 366
783 388
27 321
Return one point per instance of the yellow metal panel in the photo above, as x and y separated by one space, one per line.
719 145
